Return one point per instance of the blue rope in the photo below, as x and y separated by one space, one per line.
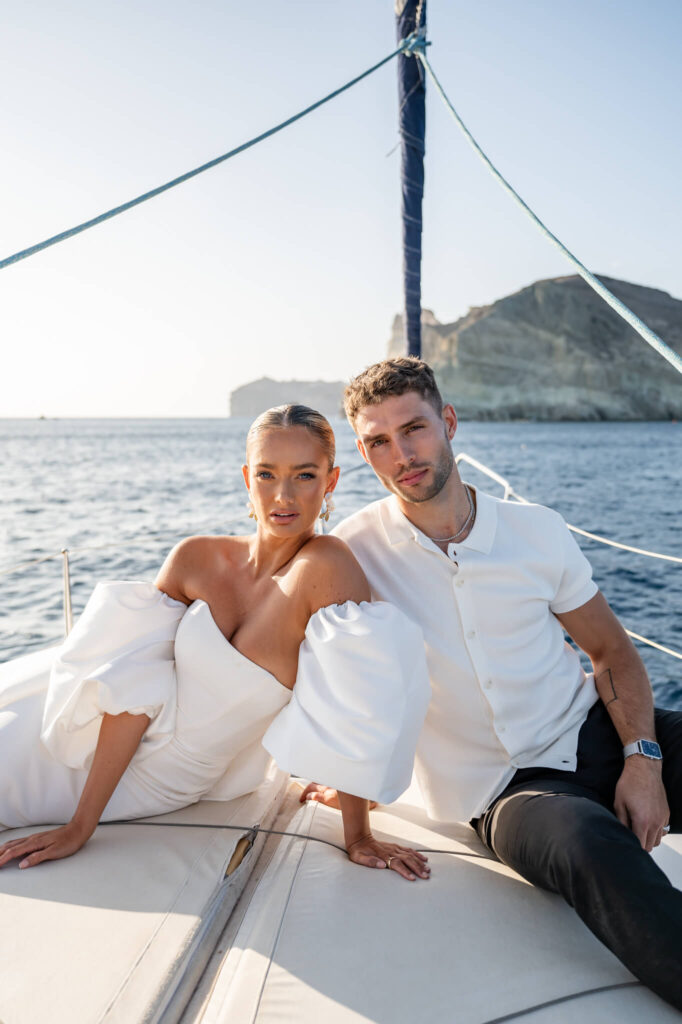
634 321
406 44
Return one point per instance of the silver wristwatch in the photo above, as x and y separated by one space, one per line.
646 747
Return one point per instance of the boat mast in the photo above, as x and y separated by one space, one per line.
411 15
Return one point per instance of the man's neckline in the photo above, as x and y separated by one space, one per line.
398 528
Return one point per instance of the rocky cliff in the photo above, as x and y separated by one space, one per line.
552 351
252 399
556 351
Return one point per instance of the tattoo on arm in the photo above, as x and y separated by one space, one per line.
608 684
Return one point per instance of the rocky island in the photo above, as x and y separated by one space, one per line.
551 351
253 398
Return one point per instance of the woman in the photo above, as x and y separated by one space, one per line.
162 693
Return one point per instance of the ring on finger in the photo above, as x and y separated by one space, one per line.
666 828
388 861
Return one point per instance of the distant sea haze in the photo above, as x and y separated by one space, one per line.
130 489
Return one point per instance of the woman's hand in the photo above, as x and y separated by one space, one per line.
372 853
53 845
119 738
364 849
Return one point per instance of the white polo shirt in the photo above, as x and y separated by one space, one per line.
508 691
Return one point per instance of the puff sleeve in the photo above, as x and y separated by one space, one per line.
118 657
359 701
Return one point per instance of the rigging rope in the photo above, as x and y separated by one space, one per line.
634 321
114 212
414 44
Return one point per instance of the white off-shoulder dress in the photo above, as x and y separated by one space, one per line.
352 720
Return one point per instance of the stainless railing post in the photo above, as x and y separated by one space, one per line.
68 613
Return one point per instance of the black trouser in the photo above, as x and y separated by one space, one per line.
558 829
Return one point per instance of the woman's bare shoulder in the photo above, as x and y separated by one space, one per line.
331 574
191 560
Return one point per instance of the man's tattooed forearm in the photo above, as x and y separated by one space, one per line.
610 695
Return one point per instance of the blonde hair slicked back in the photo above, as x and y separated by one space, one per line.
296 416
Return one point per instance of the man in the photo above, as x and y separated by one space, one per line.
559 772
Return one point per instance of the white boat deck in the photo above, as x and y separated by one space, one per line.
129 930
317 938
121 932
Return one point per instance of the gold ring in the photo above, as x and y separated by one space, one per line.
388 862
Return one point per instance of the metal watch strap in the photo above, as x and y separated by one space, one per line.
647 748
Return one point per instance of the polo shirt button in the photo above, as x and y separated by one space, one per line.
502 728
459 583
488 684
471 634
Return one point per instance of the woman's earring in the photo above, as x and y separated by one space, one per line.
252 511
327 507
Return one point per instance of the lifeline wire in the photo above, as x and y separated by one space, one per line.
255 829
634 321
604 540
509 492
63 235
246 829
562 999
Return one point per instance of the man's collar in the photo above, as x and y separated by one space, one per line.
399 529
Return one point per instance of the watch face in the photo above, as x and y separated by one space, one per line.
650 749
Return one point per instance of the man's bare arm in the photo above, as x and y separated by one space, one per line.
623 685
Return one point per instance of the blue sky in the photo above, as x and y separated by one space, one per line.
286 261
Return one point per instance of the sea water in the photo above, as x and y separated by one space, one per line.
119 493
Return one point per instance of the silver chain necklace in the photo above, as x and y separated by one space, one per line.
465 525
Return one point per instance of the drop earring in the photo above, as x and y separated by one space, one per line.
251 510
327 507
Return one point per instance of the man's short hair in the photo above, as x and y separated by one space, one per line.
388 378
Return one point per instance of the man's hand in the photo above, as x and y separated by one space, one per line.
622 683
371 853
52 845
640 802
325 795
